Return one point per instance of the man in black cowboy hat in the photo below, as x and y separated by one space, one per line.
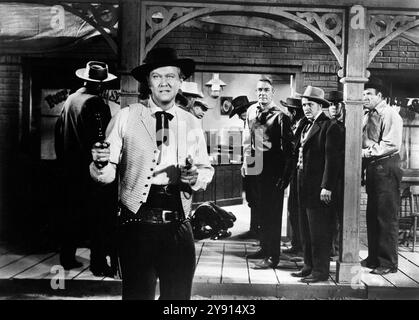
161 155
381 144
296 114
82 123
240 105
317 169
268 136
337 114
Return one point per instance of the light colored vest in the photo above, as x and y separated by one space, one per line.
138 160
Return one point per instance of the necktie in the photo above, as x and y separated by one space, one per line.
262 114
307 127
162 127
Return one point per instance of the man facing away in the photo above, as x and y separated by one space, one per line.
82 123
161 156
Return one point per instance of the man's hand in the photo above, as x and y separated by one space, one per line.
243 170
326 196
189 175
366 153
101 154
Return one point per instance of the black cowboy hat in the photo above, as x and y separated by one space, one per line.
294 103
95 71
335 96
240 105
377 84
161 57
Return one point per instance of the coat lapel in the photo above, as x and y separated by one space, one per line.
316 127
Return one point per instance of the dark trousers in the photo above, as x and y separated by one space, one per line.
249 186
102 208
337 207
383 188
151 251
269 207
316 225
293 214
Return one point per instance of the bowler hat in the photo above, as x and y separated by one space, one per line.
162 57
240 105
95 71
315 94
294 103
335 96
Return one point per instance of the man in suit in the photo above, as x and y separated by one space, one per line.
161 156
317 176
82 123
381 144
268 135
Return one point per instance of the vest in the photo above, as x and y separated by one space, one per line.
138 161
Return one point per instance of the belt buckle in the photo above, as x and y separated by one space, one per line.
163 215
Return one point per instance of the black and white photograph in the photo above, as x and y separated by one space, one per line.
209 150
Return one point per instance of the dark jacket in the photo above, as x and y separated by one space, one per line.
322 159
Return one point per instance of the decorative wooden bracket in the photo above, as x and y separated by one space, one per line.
103 17
386 27
327 24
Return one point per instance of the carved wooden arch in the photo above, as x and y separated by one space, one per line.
266 11
391 37
95 22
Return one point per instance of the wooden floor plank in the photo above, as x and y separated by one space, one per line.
8 258
235 265
411 271
21 265
413 257
40 270
210 263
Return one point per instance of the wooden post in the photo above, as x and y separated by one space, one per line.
129 51
348 266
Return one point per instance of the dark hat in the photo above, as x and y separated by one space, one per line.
201 103
95 71
315 94
162 57
240 105
181 99
377 84
335 96
294 103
